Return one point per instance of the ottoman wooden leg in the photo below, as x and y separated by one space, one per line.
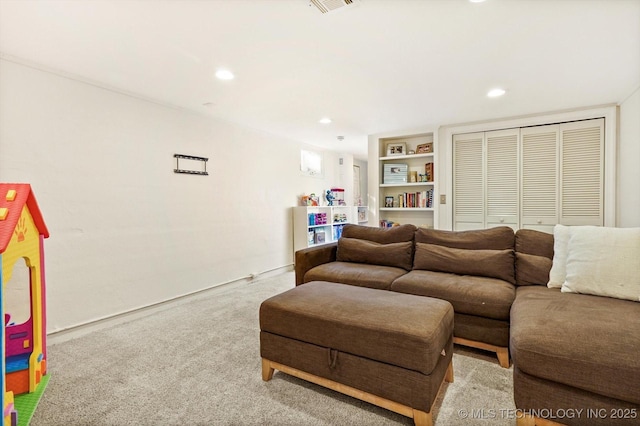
420 418
267 370
524 419
448 376
503 357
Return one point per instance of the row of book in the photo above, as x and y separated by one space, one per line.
420 199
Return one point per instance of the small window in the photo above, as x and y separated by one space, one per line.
17 294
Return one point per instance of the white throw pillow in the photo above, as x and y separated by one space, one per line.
558 272
604 262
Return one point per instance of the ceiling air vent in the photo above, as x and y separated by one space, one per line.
326 6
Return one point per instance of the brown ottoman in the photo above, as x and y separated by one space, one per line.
390 349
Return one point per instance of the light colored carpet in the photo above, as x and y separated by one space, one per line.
198 363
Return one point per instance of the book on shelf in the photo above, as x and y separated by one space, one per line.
428 170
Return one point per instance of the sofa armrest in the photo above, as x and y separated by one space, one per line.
311 257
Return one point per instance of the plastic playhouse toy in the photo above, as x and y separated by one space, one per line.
22 232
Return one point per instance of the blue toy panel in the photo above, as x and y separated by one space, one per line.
17 363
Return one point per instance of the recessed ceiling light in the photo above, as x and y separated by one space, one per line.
224 75
476 1
494 93
325 120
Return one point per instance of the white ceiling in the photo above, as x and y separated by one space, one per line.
379 66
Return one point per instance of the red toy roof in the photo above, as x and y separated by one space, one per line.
23 196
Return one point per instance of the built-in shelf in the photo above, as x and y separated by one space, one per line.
386 185
404 209
405 157
402 193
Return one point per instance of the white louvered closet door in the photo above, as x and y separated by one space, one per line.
468 182
539 177
502 178
582 173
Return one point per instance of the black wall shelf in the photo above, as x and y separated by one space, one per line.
190 171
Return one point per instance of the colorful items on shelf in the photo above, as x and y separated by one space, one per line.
24 353
310 200
384 223
317 219
337 195
339 218
317 236
329 197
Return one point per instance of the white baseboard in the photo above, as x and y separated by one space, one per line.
79 330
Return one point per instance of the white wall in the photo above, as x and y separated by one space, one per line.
126 231
629 162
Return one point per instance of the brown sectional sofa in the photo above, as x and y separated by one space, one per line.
576 357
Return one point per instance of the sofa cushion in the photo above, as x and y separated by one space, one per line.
500 238
359 274
533 242
604 262
486 297
531 269
481 329
534 254
356 250
396 234
588 342
484 263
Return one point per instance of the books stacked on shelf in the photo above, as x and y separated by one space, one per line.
421 199
395 173
384 223
317 219
428 171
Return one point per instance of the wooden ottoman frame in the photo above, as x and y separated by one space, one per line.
420 418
